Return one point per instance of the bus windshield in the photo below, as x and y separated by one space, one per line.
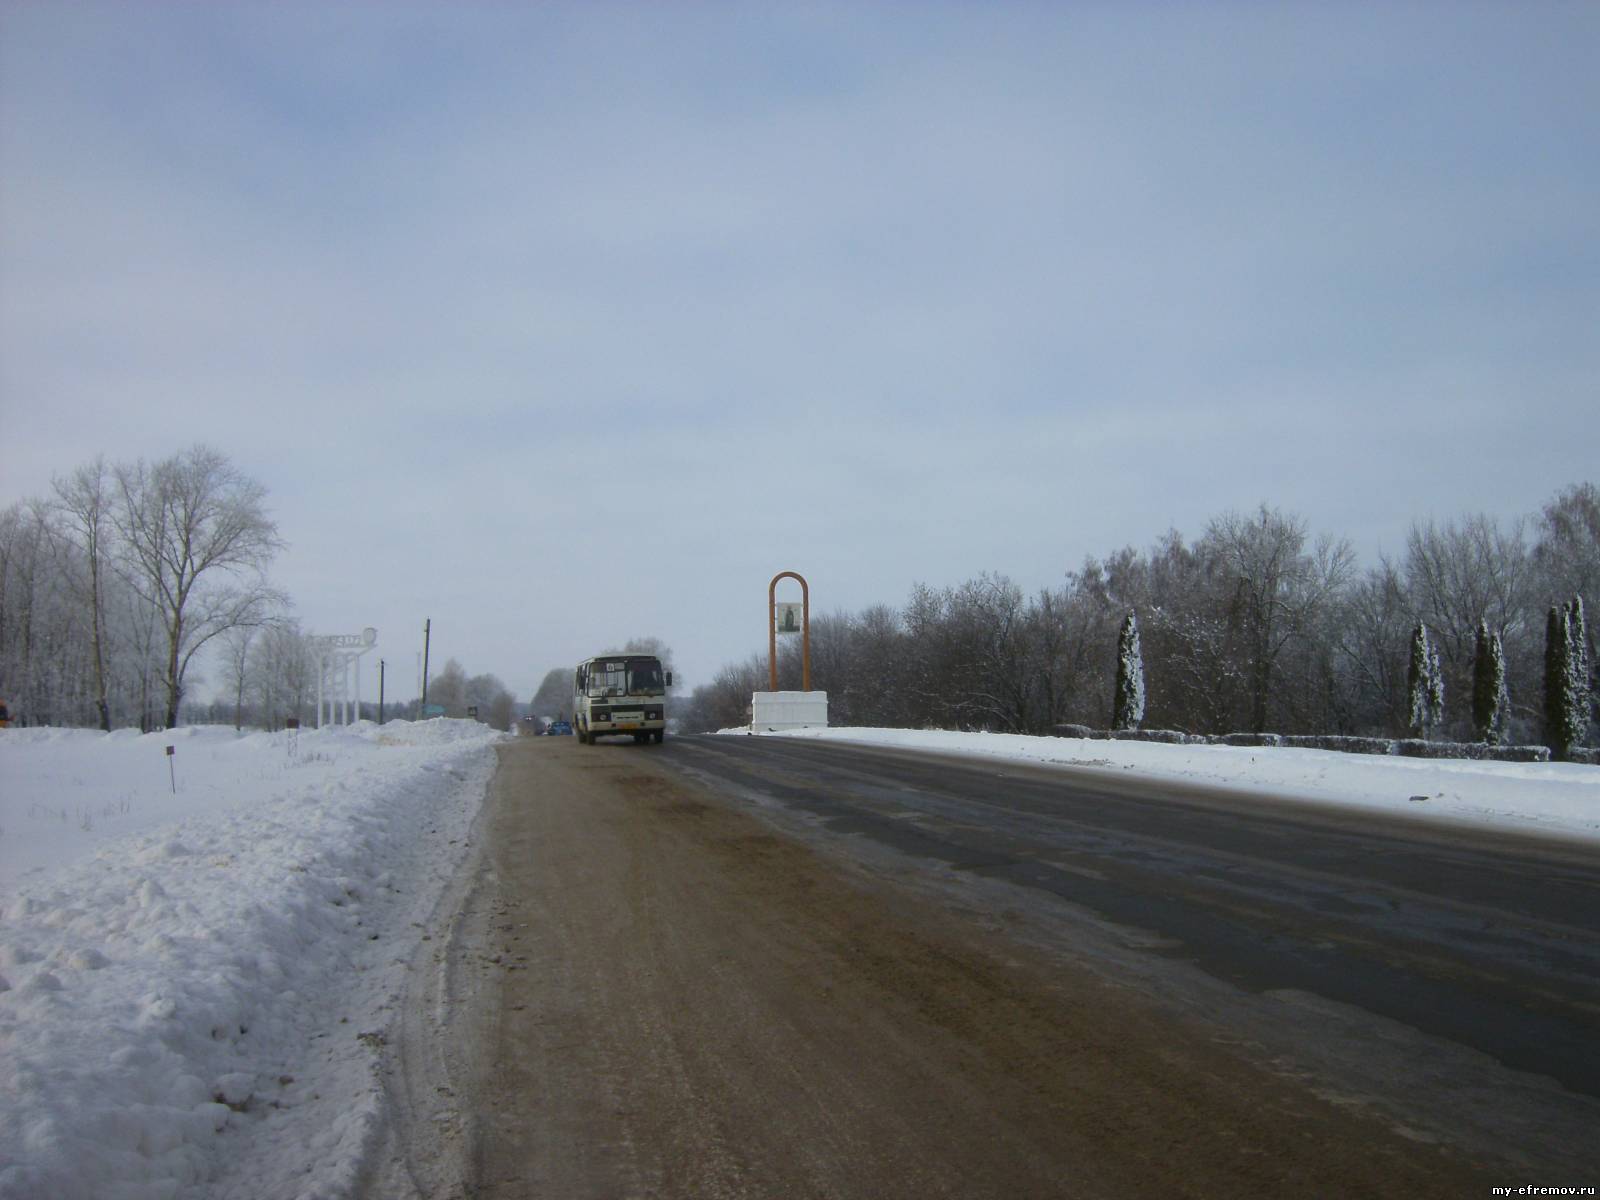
644 678
618 677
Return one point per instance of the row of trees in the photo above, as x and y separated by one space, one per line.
1254 627
112 587
459 694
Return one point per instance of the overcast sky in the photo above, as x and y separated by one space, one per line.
570 323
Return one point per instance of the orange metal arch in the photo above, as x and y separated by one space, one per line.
805 629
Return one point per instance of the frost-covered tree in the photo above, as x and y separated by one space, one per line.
1128 706
448 689
1274 593
1578 668
197 540
1464 571
85 498
1555 678
235 659
650 645
1568 549
282 673
554 697
1491 704
1426 683
1566 677
492 700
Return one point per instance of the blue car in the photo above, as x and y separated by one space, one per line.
557 727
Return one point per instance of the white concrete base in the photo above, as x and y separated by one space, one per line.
772 712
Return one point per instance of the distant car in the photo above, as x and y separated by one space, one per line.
557 727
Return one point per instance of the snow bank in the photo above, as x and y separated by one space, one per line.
194 985
1557 798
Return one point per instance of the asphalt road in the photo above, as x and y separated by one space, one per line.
1480 941
756 967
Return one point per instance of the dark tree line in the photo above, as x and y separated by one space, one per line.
1255 626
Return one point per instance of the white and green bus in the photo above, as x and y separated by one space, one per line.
620 693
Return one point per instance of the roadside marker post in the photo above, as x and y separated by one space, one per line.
774 710
789 627
172 771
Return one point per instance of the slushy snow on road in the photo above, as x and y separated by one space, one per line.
196 984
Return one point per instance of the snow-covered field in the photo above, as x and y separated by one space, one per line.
1554 798
194 985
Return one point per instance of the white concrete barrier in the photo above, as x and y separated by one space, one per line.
771 712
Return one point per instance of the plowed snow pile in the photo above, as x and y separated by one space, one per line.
195 983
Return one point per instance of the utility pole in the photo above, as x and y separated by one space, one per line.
380 691
427 634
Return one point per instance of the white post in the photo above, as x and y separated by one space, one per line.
357 665
322 671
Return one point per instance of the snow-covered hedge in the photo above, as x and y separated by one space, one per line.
1477 751
1408 747
1348 745
1171 737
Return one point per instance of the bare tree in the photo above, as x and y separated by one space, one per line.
29 609
1568 549
878 664
282 672
448 689
1369 642
1460 573
554 697
1276 588
725 702
86 498
650 645
236 644
491 698
197 538
1568 555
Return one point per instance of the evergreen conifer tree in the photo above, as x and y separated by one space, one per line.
1426 691
1578 669
1555 676
1566 677
1128 705
1435 687
1490 701
1502 693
